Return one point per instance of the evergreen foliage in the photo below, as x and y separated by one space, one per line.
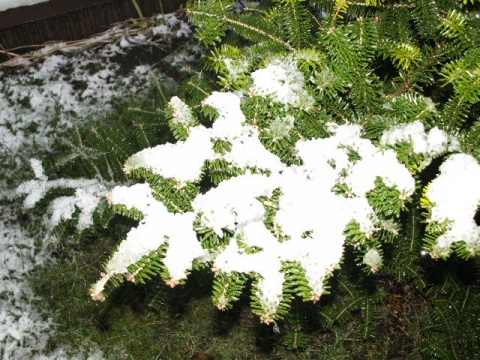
405 78
101 150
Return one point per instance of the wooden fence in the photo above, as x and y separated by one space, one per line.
65 20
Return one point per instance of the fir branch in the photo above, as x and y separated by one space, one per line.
426 15
293 19
245 26
409 80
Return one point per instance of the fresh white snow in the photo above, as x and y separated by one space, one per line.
10 4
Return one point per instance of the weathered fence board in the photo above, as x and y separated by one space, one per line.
64 20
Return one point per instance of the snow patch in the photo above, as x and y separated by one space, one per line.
11 4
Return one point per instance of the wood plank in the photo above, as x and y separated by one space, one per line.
26 14
65 20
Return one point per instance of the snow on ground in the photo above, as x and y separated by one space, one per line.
9 4
23 328
31 99
37 102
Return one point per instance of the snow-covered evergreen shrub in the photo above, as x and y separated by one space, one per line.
324 131
284 223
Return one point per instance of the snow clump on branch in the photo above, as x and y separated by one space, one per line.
310 221
313 231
